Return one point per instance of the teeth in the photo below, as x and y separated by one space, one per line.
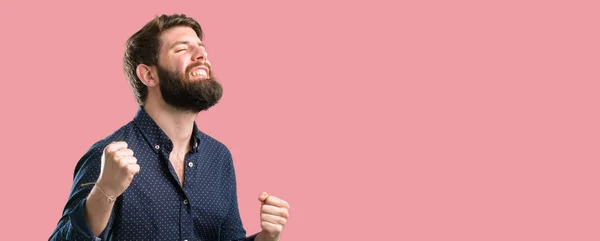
201 72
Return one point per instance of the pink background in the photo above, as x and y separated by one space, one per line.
436 120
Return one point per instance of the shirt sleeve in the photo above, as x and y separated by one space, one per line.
73 225
232 227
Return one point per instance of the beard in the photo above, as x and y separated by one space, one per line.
187 95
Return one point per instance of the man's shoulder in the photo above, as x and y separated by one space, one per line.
213 143
93 154
123 133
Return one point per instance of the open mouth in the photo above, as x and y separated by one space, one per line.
199 72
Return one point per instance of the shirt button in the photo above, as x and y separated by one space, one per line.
157 147
185 201
190 164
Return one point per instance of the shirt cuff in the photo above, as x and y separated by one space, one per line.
82 230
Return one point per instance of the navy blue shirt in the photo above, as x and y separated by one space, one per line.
156 206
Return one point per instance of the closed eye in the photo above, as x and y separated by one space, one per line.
179 50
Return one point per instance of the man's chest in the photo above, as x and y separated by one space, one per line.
178 164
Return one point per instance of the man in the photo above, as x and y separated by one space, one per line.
159 177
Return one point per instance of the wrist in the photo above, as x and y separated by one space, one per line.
109 198
107 187
264 236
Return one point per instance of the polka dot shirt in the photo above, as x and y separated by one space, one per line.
156 206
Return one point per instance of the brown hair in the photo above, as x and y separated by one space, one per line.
143 47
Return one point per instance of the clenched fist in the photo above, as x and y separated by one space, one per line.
274 214
117 169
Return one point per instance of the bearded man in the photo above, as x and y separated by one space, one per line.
159 177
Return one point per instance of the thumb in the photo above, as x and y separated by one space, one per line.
263 196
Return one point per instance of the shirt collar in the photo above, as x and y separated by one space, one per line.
156 137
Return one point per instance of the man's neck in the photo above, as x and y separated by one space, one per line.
176 124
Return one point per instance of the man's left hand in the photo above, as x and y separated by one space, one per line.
274 214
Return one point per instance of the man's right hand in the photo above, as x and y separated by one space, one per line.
117 169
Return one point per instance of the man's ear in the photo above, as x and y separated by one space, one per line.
147 75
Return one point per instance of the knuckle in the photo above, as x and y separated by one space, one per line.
108 148
122 164
135 168
116 157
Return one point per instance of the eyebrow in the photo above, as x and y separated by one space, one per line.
186 43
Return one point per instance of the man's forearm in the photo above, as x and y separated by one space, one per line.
97 211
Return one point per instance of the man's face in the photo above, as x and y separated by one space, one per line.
186 80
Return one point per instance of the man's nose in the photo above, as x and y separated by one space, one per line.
200 54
